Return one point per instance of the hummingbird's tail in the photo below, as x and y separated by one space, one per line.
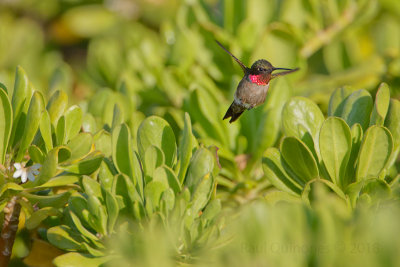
234 112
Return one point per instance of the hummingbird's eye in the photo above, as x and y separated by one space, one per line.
260 69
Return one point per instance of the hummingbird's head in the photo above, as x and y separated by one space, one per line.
261 72
261 66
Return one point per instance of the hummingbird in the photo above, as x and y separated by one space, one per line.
253 87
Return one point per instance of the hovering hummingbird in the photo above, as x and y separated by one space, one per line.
253 87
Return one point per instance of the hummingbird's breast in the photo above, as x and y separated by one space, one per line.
250 94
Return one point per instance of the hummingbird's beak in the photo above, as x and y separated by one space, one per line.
284 72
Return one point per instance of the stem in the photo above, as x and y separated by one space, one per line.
326 36
9 230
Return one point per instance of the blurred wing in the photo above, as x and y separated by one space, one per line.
244 68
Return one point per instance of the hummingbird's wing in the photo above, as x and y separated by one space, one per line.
244 68
274 75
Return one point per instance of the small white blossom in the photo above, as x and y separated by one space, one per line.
26 172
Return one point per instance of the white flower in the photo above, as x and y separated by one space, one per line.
26 173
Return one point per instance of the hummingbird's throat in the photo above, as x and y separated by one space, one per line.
258 79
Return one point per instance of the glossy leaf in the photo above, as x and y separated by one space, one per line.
356 140
157 132
49 167
57 105
91 187
122 150
45 130
63 237
335 147
166 176
185 148
60 131
38 216
112 210
73 122
302 118
36 154
202 193
103 143
32 124
87 165
356 108
80 146
6 119
381 105
79 259
336 101
60 181
392 121
375 151
153 192
299 158
80 227
201 164
55 201
276 173
153 158
21 91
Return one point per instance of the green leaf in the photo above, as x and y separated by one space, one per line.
112 210
375 151
335 147
106 173
36 154
392 121
56 106
185 148
21 92
79 226
336 101
38 216
80 146
91 187
97 214
88 123
123 186
60 131
55 201
63 237
153 192
356 139
32 122
212 210
277 175
10 186
49 167
201 164
356 108
87 165
45 130
166 176
202 193
79 259
167 200
299 158
103 142
60 181
302 118
73 122
381 106
6 116
122 150
153 158
157 132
